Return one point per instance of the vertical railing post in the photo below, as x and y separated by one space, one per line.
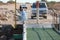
59 22
37 6
15 15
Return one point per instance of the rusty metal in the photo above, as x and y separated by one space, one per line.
15 15
37 6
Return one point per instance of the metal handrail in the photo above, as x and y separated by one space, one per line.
55 16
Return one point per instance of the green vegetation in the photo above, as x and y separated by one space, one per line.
1 2
11 1
51 4
44 0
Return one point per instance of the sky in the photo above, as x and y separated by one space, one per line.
23 1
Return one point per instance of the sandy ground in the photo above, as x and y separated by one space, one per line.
10 18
